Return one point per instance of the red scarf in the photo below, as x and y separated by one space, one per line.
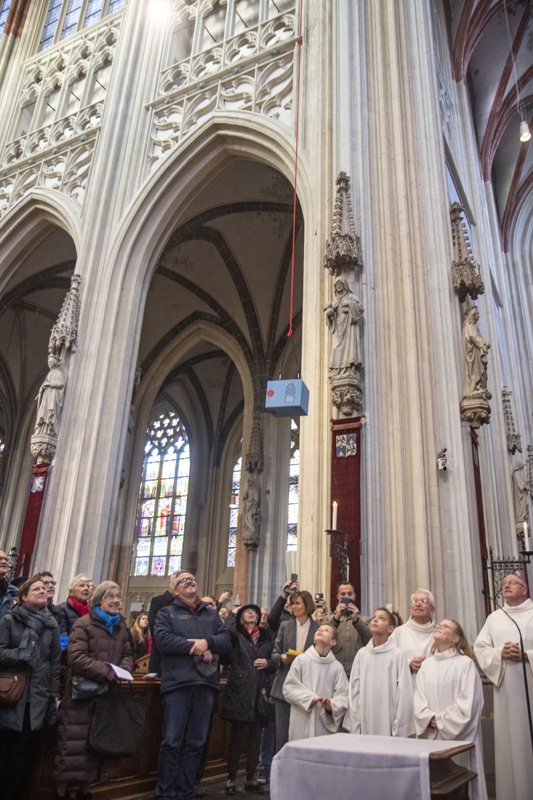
253 634
81 608
194 605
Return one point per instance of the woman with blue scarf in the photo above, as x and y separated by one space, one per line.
98 639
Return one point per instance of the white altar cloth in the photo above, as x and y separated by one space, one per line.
344 766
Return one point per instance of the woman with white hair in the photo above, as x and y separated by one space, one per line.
77 603
97 639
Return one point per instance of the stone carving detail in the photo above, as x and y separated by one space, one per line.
521 496
247 72
475 408
253 460
514 441
64 334
63 339
466 274
343 248
58 154
251 513
530 468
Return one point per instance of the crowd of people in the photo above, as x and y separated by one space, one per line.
295 671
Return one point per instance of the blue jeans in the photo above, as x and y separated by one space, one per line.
268 737
186 715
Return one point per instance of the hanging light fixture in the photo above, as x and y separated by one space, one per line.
525 133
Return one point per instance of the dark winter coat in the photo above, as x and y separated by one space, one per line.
42 682
7 599
245 681
278 614
174 626
156 604
90 648
69 614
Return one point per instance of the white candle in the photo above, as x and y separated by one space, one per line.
526 537
334 516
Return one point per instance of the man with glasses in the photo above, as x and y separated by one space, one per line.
415 637
50 585
156 604
190 636
8 592
498 653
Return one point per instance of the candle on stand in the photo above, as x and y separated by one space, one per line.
526 537
334 516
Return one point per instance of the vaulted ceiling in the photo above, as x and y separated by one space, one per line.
491 48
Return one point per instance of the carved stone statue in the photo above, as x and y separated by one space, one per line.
475 408
342 316
251 514
50 400
520 489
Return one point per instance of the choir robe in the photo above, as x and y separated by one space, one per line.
512 744
312 675
381 692
414 639
448 687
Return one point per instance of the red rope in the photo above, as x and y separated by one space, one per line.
296 163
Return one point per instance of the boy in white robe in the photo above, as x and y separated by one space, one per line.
317 689
449 699
381 691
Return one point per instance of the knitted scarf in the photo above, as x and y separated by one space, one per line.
110 620
35 621
81 608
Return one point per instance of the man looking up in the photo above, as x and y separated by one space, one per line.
8 592
498 653
188 634
156 604
415 637
352 631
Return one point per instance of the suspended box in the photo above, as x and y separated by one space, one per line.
287 398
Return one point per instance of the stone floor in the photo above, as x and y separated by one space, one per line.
214 790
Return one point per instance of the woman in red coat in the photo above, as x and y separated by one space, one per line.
96 640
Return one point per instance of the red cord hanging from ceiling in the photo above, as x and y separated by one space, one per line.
296 165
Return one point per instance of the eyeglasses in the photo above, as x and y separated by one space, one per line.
50 583
187 580
512 583
424 602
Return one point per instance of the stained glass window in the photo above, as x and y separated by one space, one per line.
65 17
162 498
4 11
234 512
294 480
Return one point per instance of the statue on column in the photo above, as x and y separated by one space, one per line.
50 400
342 317
251 513
520 491
475 408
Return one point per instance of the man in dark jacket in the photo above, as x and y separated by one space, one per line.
156 604
189 635
280 611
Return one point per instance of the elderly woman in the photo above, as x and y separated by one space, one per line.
77 604
29 646
98 639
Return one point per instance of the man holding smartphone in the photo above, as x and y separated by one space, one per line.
353 632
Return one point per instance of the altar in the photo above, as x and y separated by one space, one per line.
345 766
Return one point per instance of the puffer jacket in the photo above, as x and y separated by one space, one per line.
7 599
245 681
69 614
174 626
91 648
42 682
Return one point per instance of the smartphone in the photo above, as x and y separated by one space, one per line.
346 601
294 577
319 596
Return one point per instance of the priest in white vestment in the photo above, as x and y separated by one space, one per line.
381 691
498 653
317 689
449 699
415 637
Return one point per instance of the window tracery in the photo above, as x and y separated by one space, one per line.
65 17
234 512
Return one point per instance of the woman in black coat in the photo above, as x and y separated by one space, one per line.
251 670
29 645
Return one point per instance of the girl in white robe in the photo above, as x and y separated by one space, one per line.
449 698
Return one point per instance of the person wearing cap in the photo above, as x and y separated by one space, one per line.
97 639
190 636
251 671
